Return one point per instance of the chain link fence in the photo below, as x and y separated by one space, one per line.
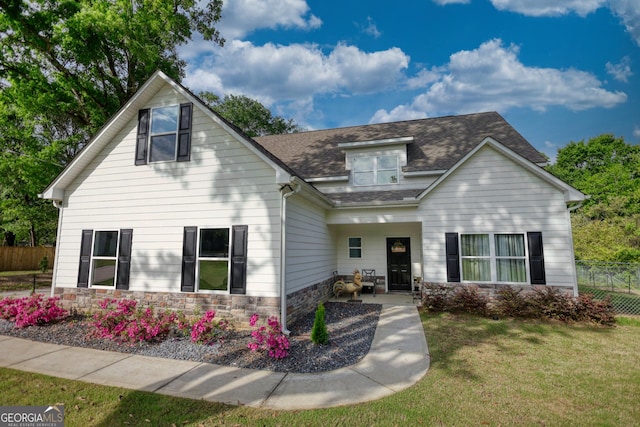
617 280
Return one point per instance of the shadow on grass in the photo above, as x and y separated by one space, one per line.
449 334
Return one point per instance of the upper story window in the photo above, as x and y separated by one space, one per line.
164 134
371 170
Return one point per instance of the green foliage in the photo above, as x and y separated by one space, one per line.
607 169
249 115
546 303
65 68
319 333
43 265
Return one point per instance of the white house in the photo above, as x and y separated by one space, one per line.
172 205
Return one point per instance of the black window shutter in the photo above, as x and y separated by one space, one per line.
184 132
536 258
453 257
85 259
189 259
124 259
143 137
239 259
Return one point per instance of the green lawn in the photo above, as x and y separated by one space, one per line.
483 372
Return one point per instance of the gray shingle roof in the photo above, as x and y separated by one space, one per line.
438 143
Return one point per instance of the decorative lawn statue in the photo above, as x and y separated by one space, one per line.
349 287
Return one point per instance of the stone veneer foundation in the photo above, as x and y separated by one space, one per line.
491 290
236 308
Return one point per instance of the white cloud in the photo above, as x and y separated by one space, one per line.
620 71
400 113
370 28
241 17
629 12
491 77
549 7
636 132
296 71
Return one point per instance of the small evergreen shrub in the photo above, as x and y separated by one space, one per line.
509 303
319 333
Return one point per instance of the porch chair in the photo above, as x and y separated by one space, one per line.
369 280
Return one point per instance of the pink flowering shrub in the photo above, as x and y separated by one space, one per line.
207 331
123 322
32 310
269 338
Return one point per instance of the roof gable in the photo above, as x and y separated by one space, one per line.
129 111
570 193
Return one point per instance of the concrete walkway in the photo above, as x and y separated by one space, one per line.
398 358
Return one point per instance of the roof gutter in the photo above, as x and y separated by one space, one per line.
293 187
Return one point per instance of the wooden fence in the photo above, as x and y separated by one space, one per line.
23 258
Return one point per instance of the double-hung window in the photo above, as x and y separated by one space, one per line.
371 170
104 258
213 259
163 138
493 258
355 247
164 134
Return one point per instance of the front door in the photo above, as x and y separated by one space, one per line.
399 263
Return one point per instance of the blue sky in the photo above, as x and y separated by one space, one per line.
557 70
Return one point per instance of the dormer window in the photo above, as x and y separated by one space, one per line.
372 170
164 134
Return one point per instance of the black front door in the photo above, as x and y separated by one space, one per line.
399 263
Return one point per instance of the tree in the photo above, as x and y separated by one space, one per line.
607 169
607 227
249 115
65 68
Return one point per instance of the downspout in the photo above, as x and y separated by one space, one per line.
56 257
573 254
293 189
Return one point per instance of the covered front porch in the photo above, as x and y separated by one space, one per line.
392 250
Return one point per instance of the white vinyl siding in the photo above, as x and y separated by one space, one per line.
491 194
310 245
224 184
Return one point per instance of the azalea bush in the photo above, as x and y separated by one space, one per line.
207 330
268 338
32 310
122 321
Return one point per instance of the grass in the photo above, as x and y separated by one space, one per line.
23 280
483 372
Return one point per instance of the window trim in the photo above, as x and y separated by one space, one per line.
375 168
183 134
201 258
493 258
175 133
349 247
99 257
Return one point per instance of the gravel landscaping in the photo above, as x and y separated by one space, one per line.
351 328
